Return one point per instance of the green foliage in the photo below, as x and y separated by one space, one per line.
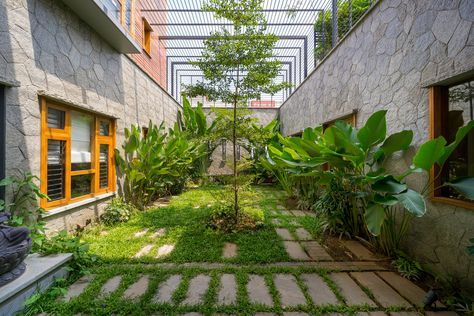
116 212
407 268
156 165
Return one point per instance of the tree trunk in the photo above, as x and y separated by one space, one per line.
234 149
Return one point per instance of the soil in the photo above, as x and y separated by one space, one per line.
291 203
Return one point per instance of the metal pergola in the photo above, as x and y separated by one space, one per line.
183 26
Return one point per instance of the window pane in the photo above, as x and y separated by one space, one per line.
104 128
128 14
81 125
56 169
461 161
55 118
104 166
81 185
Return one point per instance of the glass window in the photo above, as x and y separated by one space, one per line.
104 128
81 126
56 169
81 185
128 14
104 166
56 118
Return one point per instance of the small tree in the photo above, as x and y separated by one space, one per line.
238 65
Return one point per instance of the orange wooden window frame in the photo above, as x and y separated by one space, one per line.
438 99
147 30
65 135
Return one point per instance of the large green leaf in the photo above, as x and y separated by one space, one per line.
389 184
429 153
374 217
396 142
385 199
374 130
413 202
464 185
460 134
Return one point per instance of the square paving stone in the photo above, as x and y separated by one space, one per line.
167 288
229 251
111 285
284 233
295 251
303 234
316 251
353 294
318 290
137 289
382 292
198 287
77 287
258 291
227 290
290 292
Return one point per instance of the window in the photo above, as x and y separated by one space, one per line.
76 154
450 108
128 14
350 119
144 132
147 29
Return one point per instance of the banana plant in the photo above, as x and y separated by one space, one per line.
358 155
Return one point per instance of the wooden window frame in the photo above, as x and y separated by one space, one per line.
350 118
438 99
123 16
146 31
48 133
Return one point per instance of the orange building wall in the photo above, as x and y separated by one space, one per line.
154 64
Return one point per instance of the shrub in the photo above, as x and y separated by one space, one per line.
407 268
116 212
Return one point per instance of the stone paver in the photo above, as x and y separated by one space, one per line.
227 290
284 233
359 251
191 314
158 233
295 251
383 293
111 285
257 290
290 292
295 314
164 250
145 250
318 290
198 287
138 288
371 314
316 251
294 222
229 251
166 289
442 313
77 287
353 294
274 213
276 221
298 213
406 288
286 213
405 314
303 234
265 314
141 233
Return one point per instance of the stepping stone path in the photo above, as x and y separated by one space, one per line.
77 287
229 251
295 251
227 290
276 221
316 251
299 213
164 250
290 292
145 250
258 291
110 286
284 233
137 289
359 251
167 288
303 234
160 232
350 290
318 290
141 233
198 287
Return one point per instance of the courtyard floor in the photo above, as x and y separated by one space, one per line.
165 261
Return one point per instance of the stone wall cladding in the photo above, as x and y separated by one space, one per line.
45 46
385 62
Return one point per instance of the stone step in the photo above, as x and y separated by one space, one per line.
77 287
299 213
158 233
276 222
383 293
295 251
164 250
318 290
227 290
110 286
145 250
406 288
165 291
359 251
353 294
138 288
289 291
141 233
303 234
286 213
197 289
316 251
229 251
284 233
257 290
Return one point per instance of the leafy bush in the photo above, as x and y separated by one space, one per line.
407 268
116 212
224 219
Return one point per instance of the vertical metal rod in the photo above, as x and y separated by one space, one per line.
334 23
350 14
3 139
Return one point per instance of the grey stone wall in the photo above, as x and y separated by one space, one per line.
45 46
386 62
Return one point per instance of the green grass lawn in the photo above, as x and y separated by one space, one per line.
185 221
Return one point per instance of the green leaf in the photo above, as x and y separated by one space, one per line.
413 202
6 181
429 153
470 249
464 185
374 130
374 217
385 200
460 134
389 184
396 142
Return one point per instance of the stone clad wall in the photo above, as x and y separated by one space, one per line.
388 59
44 46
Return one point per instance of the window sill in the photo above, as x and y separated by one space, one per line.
61 209
454 202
